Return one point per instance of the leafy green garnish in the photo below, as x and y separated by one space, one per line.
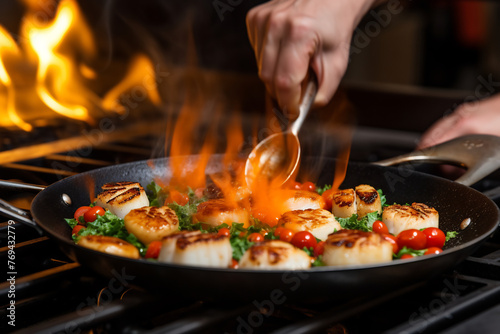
72 222
383 200
185 214
363 224
412 252
318 262
451 235
156 195
321 190
109 225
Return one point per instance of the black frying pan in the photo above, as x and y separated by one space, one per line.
454 202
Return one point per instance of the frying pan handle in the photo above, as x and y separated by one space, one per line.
480 154
15 213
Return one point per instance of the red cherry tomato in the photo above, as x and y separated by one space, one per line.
393 240
303 239
285 234
153 250
319 249
380 227
435 237
91 215
224 231
412 238
308 186
255 237
328 198
77 229
433 250
234 264
406 256
80 212
296 185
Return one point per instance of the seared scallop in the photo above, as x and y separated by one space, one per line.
194 248
303 200
368 200
403 217
110 245
344 203
216 211
319 222
150 223
122 197
275 254
353 247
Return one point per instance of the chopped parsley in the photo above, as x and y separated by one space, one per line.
363 224
451 235
406 250
321 190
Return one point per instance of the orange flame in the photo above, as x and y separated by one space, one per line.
48 73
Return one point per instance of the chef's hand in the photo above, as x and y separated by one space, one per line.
481 117
289 36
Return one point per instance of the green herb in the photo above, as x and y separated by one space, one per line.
239 245
363 224
309 251
451 235
185 214
156 195
109 225
71 222
318 262
321 190
412 252
383 200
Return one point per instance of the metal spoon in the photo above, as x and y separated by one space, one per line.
276 159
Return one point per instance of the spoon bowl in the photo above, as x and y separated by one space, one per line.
276 159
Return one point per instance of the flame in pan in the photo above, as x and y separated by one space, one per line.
52 68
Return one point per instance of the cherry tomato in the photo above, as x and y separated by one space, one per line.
393 240
412 238
297 185
77 229
285 234
406 256
80 212
91 215
234 264
433 250
380 227
308 186
255 237
153 250
328 198
435 237
303 239
224 231
319 249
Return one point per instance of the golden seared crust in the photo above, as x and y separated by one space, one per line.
368 200
351 238
319 222
274 254
110 245
303 200
202 238
196 248
353 247
403 217
150 223
122 197
344 197
216 211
